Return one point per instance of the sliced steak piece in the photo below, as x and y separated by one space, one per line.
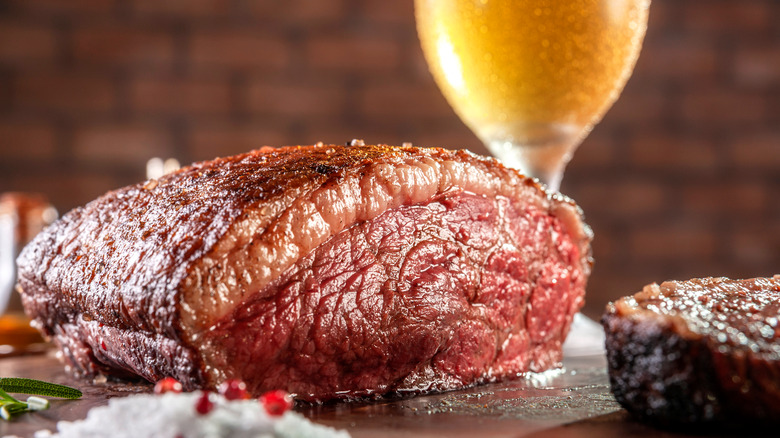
328 271
704 350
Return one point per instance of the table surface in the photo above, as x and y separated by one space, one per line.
571 402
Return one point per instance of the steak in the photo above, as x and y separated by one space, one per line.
327 271
700 351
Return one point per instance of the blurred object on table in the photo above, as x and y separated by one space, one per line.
22 216
18 338
156 167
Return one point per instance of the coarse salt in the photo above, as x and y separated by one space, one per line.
174 415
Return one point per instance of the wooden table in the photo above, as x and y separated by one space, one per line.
573 402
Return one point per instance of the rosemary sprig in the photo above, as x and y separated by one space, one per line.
18 385
10 406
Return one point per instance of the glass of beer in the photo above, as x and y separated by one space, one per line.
531 78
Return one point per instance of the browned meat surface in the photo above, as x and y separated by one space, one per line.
329 271
699 351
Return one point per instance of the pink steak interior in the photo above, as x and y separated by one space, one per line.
461 290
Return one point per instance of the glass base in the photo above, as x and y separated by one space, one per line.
539 150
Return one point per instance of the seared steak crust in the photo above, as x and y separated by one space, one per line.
134 282
699 351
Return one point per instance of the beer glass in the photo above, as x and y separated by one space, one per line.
531 78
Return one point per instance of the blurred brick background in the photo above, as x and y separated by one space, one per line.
681 178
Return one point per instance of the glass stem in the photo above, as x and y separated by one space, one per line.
543 162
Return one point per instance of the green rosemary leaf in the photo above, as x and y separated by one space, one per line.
16 408
19 385
6 398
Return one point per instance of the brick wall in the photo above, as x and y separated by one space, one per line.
679 180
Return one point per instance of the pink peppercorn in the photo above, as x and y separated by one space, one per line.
276 402
204 404
168 384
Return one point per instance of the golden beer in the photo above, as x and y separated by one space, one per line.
531 73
